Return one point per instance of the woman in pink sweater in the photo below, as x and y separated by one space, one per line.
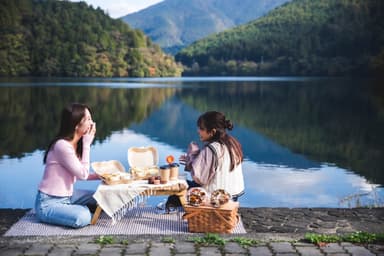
66 160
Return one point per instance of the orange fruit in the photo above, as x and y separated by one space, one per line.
170 159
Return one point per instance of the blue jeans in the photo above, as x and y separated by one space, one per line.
65 211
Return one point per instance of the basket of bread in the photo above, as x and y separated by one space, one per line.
214 213
111 172
143 162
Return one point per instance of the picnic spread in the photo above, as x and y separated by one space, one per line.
122 191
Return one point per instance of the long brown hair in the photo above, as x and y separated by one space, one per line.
216 120
71 116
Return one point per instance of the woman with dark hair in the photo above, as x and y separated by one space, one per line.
67 159
218 164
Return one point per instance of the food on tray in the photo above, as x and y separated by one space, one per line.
219 197
125 176
115 177
154 180
144 172
153 170
196 196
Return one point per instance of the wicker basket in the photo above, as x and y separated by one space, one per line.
207 219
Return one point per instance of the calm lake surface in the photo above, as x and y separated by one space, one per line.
308 142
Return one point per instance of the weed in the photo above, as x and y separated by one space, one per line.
358 237
105 240
321 238
169 240
244 242
209 239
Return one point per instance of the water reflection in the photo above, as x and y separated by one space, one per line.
267 185
307 142
180 128
326 186
29 115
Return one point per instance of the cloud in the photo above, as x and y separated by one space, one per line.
119 8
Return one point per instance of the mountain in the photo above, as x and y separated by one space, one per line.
303 37
174 24
61 38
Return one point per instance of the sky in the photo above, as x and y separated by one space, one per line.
119 8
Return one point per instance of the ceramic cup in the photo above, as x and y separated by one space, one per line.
174 174
165 172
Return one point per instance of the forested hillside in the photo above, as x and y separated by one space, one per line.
60 38
174 24
303 37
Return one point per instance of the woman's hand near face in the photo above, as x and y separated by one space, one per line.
193 148
92 128
90 134
183 159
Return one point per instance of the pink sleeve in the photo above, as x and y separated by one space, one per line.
203 168
93 176
66 156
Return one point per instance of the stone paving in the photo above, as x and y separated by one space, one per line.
314 220
277 231
180 247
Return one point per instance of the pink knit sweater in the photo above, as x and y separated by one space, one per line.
63 168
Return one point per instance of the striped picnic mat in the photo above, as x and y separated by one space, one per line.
138 221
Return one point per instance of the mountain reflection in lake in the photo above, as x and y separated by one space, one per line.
307 142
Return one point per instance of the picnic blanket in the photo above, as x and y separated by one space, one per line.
142 220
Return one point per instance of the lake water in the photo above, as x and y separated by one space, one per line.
308 142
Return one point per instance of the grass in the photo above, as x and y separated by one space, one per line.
209 239
169 240
105 240
244 242
215 239
358 237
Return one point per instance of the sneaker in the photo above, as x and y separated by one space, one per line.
161 205
171 210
